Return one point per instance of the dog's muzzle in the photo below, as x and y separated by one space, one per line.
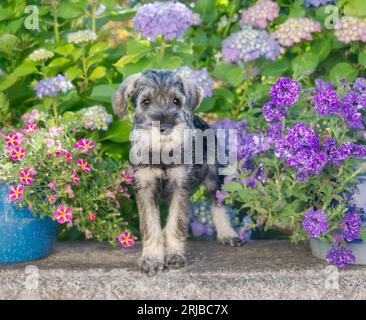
165 128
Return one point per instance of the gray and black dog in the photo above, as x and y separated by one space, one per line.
162 96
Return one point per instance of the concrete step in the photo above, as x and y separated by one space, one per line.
259 270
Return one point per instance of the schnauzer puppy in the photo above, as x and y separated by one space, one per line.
164 97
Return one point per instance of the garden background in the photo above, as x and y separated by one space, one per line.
236 55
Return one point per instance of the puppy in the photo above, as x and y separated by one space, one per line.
164 98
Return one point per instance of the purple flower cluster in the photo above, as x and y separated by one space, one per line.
275 130
50 87
340 256
315 223
200 77
350 110
169 19
249 44
326 102
351 226
335 154
350 29
261 13
317 3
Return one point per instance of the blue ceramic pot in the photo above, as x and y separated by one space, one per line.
23 237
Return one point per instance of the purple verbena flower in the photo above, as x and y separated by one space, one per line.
271 111
300 136
359 86
326 102
332 151
274 130
307 161
322 85
285 92
169 19
351 226
315 222
340 256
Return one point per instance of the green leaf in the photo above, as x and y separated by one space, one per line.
131 58
206 105
65 50
322 48
275 68
7 81
119 131
362 58
342 70
229 72
232 187
98 47
70 9
133 68
122 15
73 73
58 62
103 93
207 10
304 64
98 72
7 43
138 46
25 68
355 8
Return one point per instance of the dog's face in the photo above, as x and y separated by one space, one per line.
159 98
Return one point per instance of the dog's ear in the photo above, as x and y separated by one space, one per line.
194 93
122 94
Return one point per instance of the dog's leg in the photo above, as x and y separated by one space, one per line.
175 231
225 232
152 258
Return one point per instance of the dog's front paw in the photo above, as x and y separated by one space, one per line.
150 265
175 261
231 241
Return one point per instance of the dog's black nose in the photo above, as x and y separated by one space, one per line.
164 127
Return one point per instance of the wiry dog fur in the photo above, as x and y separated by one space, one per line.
163 96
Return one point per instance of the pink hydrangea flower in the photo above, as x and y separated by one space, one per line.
12 140
126 240
26 177
63 214
126 177
68 156
52 185
92 216
261 13
18 154
51 198
83 165
16 192
30 128
84 145
349 29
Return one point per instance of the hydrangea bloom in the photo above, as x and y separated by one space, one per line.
81 36
201 219
326 102
350 29
41 54
294 30
315 222
340 256
126 239
201 77
351 226
285 92
249 44
50 87
196 19
317 3
261 13
169 19
96 118
63 214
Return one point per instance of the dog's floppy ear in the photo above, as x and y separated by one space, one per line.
194 93
121 95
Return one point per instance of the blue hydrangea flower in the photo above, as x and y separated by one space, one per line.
249 44
318 3
96 118
50 87
169 19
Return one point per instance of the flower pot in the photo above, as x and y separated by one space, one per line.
23 237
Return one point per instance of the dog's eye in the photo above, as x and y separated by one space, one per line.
176 101
146 101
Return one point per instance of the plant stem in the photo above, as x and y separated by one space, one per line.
55 110
162 49
93 16
55 28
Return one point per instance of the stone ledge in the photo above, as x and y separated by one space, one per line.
259 270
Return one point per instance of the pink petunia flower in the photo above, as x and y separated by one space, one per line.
63 214
74 177
83 165
52 185
84 145
30 128
32 171
50 142
126 177
69 191
68 156
26 177
51 198
92 216
18 153
59 153
16 192
126 240
12 140
55 132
